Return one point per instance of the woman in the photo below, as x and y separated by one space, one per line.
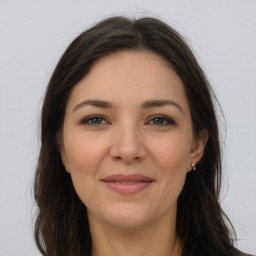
130 160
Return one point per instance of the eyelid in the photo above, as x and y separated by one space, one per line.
168 120
94 116
164 117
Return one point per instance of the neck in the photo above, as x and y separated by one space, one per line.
154 239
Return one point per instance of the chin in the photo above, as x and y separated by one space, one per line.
127 222
127 217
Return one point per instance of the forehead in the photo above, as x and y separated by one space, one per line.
130 77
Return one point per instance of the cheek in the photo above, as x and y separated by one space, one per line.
172 154
85 153
173 163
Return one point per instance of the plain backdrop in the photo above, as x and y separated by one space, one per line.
33 35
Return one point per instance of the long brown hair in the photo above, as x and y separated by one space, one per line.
61 227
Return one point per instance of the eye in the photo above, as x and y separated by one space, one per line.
160 120
94 120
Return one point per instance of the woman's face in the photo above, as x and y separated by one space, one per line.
127 139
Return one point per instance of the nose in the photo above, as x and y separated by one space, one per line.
127 145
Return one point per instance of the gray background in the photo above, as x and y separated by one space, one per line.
33 35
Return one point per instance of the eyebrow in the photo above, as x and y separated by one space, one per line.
145 105
160 103
95 103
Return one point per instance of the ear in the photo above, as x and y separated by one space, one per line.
62 152
64 158
197 149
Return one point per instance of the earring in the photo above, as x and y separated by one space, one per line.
66 168
193 166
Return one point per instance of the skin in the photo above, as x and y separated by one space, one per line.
127 138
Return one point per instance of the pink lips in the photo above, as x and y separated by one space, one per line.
127 184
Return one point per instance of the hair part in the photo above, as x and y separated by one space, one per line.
61 226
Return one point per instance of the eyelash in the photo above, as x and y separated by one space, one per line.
88 120
166 121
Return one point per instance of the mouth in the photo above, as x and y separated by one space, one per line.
127 184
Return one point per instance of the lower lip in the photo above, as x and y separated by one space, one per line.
128 189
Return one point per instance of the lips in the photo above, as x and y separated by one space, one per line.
121 178
127 184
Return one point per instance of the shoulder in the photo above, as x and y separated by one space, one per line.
236 252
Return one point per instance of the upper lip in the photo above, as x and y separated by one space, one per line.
125 177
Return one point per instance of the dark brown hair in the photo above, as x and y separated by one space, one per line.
61 226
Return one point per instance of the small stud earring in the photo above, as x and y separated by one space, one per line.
66 168
193 166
